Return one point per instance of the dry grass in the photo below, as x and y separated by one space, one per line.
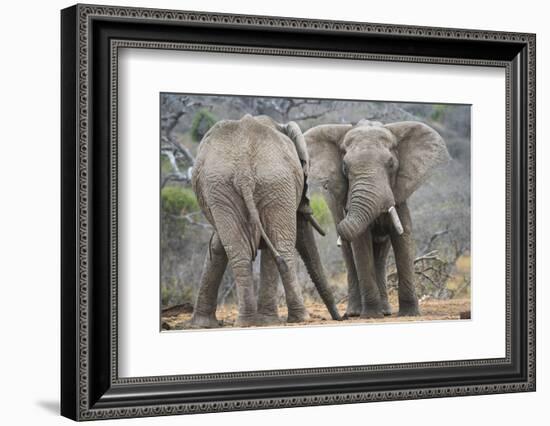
431 309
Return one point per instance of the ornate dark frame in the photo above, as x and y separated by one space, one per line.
90 386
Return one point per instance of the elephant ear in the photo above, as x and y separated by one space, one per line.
293 131
420 149
324 144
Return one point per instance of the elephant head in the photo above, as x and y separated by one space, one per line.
369 168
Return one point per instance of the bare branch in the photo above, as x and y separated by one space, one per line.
189 219
428 256
179 148
175 177
310 116
433 238
226 291
170 120
426 276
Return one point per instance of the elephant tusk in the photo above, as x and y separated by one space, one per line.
395 220
315 224
339 239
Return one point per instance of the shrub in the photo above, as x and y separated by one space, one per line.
320 209
165 165
174 292
438 112
202 121
176 200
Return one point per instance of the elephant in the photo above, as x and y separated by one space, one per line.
367 171
250 181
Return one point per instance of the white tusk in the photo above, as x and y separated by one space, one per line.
395 220
339 241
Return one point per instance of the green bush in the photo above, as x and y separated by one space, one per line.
165 165
438 112
202 121
320 209
176 200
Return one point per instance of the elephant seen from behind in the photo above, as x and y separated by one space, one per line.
249 178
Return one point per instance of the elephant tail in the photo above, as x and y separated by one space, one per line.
255 219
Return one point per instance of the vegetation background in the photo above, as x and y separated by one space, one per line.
440 208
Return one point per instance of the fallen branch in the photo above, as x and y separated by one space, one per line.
428 256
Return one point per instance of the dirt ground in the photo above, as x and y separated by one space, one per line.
176 318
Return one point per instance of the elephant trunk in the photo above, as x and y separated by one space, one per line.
362 210
367 201
307 248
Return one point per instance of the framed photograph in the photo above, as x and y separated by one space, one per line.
263 212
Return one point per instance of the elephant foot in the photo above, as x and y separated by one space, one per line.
334 314
353 310
246 320
204 321
372 312
297 315
353 314
386 308
406 310
268 319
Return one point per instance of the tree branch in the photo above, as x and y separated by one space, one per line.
176 174
433 238
179 148
310 116
189 219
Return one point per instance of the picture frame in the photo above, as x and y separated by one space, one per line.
90 385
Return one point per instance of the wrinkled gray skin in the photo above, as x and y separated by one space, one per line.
364 170
249 181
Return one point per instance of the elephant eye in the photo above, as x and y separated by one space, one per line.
391 163
344 168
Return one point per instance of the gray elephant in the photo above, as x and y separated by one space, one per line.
249 178
367 172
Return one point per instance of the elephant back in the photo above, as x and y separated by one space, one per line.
273 154
250 149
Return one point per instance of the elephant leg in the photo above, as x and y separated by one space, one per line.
354 295
204 312
296 309
241 265
307 248
234 237
280 227
381 250
403 248
364 259
267 295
